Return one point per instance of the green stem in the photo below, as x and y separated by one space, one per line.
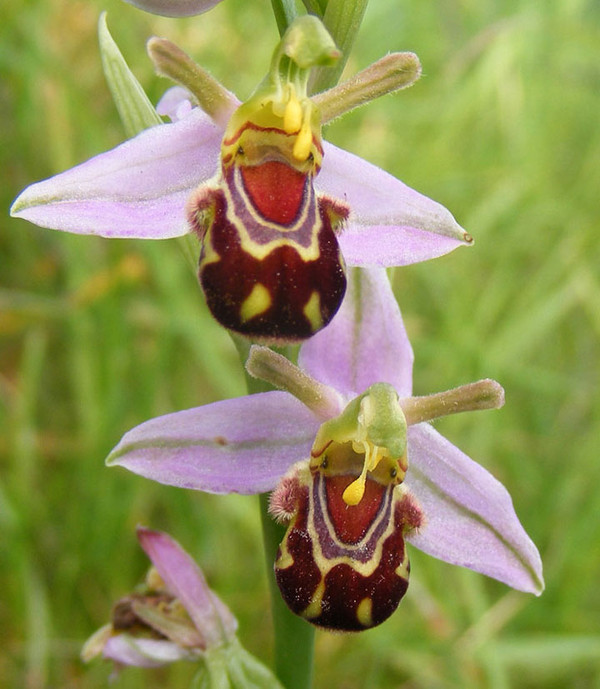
285 13
342 19
294 637
316 7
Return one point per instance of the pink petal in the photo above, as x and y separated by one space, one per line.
390 223
470 519
128 650
185 580
138 189
175 103
174 8
242 445
366 341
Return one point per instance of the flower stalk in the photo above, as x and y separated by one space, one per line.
294 638
342 19
285 13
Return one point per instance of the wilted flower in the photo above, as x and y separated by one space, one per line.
175 616
280 214
462 514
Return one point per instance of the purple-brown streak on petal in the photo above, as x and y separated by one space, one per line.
242 445
470 519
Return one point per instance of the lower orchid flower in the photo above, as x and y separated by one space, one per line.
278 213
372 474
175 616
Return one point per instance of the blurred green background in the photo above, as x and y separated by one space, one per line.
97 336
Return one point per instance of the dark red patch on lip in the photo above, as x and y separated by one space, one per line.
351 522
275 189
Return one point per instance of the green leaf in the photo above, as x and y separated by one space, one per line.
135 109
342 19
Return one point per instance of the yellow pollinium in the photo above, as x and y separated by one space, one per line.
292 114
278 125
303 143
378 463
281 104
368 436
297 119
373 455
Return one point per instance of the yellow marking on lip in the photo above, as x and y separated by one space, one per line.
364 612
285 559
402 569
314 608
312 311
261 251
208 255
256 303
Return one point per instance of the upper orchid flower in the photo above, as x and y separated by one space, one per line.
373 468
277 211
175 616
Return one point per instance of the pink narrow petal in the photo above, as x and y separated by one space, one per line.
175 103
365 343
470 519
390 224
185 580
138 189
392 245
242 445
127 650
174 8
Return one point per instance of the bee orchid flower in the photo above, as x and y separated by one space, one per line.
278 212
372 466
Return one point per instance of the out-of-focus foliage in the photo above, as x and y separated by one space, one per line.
98 335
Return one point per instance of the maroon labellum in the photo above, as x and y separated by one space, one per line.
343 567
270 266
